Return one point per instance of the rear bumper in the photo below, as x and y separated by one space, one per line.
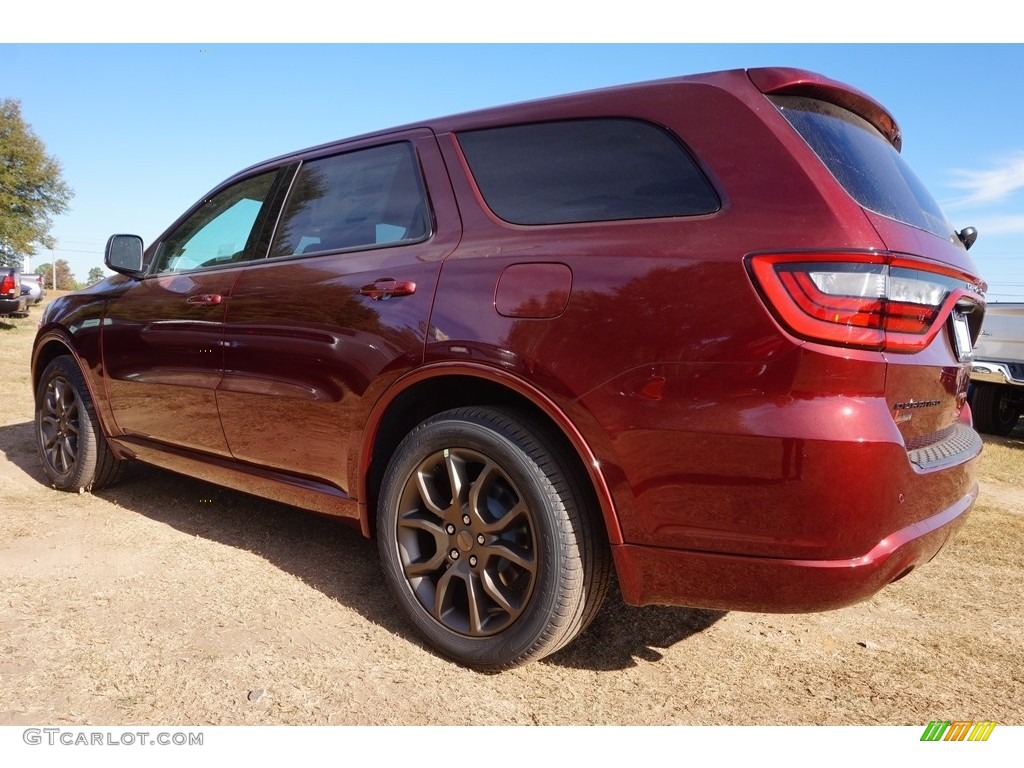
996 372
653 575
13 306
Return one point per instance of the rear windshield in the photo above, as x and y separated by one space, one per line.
602 169
868 166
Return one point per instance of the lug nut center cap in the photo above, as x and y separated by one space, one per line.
465 540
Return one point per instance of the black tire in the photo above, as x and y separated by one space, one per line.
73 450
993 410
511 566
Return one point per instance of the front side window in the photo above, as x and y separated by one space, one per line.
367 198
220 231
602 169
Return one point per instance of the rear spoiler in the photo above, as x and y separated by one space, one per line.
785 81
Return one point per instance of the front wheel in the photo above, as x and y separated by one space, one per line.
73 450
489 540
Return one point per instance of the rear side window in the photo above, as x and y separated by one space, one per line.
362 199
585 170
868 166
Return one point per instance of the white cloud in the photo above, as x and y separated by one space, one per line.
1011 224
982 187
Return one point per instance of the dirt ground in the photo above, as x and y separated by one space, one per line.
168 600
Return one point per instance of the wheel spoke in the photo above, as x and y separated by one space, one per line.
516 517
48 427
66 455
416 568
65 395
443 598
497 594
514 555
428 493
478 508
417 523
50 405
456 466
476 615
415 563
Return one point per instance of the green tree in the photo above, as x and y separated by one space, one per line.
31 188
65 278
95 275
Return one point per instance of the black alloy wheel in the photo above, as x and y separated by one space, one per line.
74 452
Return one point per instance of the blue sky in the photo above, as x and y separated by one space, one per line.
143 130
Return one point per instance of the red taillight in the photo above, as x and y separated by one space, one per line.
8 286
877 301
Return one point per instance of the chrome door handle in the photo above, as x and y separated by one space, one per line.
387 287
205 298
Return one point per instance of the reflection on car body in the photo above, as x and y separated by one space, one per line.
666 332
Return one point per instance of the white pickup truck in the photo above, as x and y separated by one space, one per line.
997 373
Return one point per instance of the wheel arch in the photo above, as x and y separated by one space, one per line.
48 348
428 391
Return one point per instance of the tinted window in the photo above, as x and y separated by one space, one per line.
219 231
868 166
368 198
585 170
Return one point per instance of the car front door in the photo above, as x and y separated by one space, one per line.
162 336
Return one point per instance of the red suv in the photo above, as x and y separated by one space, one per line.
710 332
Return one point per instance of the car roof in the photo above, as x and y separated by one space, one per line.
623 100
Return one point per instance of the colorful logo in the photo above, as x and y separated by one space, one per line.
958 730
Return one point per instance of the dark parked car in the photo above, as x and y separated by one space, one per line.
709 333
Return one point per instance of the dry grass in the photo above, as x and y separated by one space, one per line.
167 600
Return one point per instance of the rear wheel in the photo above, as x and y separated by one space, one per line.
73 450
489 540
994 409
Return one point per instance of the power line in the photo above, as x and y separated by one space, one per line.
80 240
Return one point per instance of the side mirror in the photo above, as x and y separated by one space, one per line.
967 236
124 254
